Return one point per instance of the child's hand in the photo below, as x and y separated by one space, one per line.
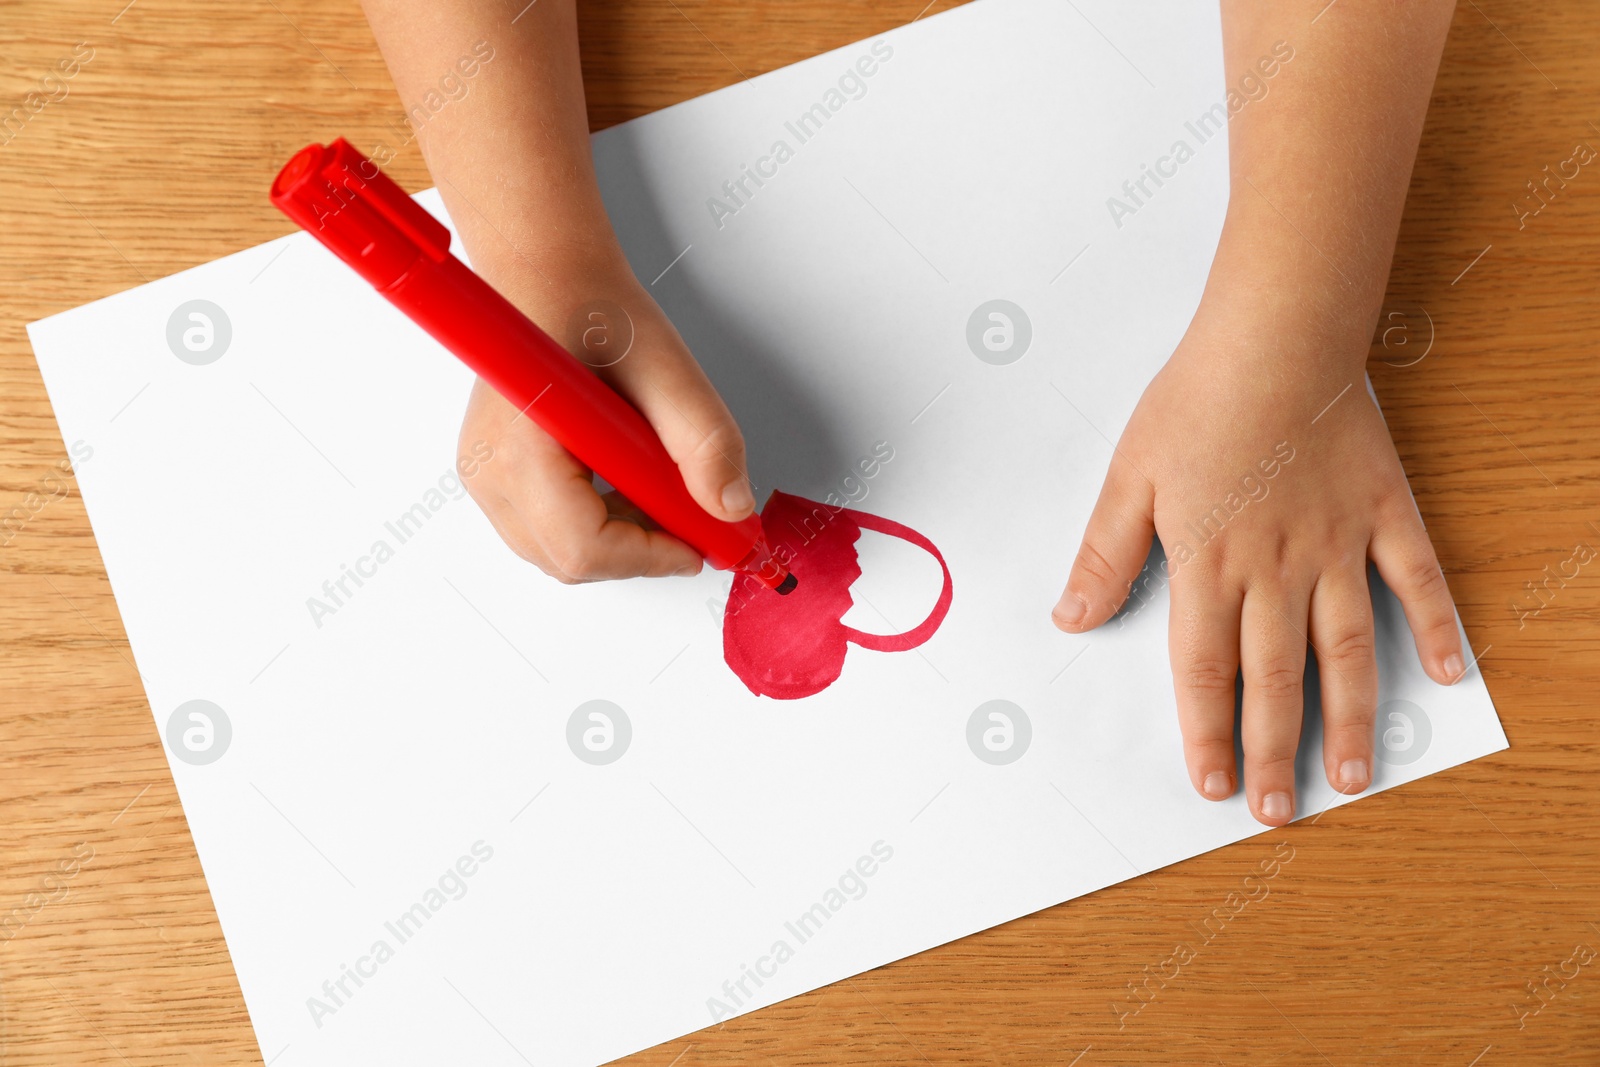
509 148
1268 502
543 502
1323 121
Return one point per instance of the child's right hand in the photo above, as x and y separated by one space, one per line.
542 501
510 152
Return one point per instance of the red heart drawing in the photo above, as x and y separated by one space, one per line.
793 646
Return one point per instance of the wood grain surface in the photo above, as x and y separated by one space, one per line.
1409 928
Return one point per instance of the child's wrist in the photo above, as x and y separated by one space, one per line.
553 268
579 258
586 299
1272 294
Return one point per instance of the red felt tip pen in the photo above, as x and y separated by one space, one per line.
343 200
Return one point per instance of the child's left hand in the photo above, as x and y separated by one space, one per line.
1269 496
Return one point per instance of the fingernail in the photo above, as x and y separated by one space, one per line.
1071 609
1353 772
1454 668
688 570
1217 786
1277 806
736 496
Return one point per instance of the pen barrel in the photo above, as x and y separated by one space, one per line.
565 399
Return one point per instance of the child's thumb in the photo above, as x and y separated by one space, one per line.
1115 545
705 443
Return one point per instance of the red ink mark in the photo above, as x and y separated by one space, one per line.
787 647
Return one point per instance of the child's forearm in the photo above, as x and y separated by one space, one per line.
511 156
1320 163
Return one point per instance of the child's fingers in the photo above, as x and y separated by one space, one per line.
492 415
1341 634
573 529
668 386
514 531
1272 657
1203 643
620 507
1115 545
1406 560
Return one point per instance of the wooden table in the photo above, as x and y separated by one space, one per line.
1406 929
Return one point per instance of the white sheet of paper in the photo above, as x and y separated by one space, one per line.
425 719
